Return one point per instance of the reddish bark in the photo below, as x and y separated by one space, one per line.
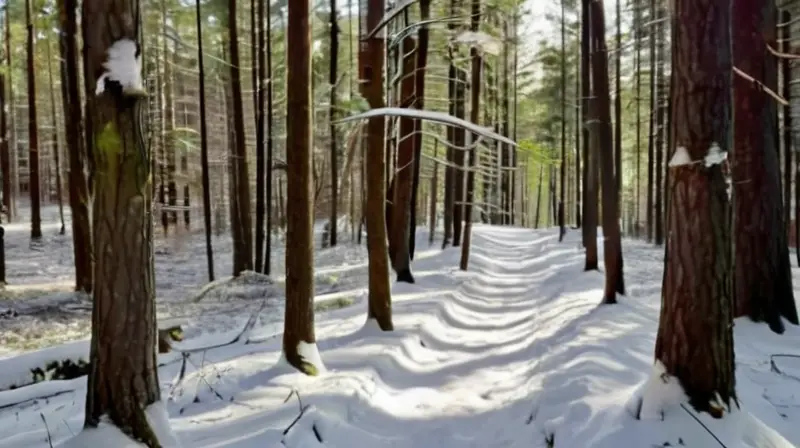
762 282
402 192
695 339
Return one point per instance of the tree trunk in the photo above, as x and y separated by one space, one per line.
56 148
590 173
33 132
371 61
123 379
696 300
637 23
270 142
10 183
5 148
612 246
78 188
259 75
334 61
402 183
299 320
651 136
433 192
762 279
241 225
660 112
423 36
474 112
563 168
204 144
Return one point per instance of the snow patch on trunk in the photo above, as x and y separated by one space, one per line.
715 155
680 157
124 66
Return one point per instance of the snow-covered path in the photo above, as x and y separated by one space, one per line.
514 353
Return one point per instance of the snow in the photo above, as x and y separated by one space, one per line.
514 353
309 353
680 157
106 434
715 155
439 117
123 65
660 393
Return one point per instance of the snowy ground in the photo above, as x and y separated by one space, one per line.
515 353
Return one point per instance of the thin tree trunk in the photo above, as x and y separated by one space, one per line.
334 61
270 142
204 145
240 201
402 191
612 246
563 168
33 132
433 192
475 107
56 148
590 174
651 136
423 36
371 62
5 148
12 180
259 78
73 118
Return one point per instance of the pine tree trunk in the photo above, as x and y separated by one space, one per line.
34 182
762 279
241 225
696 300
371 61
334 61
299 320
591 183
270 142
474 108
204 144
123 379
73 118
423 37
402 191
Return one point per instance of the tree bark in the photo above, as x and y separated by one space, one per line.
590 200
402 184
123 379
332 75
73 119
695 339
474 109
299 320
34 184
423 37
204 144
762 280
371 61
241 225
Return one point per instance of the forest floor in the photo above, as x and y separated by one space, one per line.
514 353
